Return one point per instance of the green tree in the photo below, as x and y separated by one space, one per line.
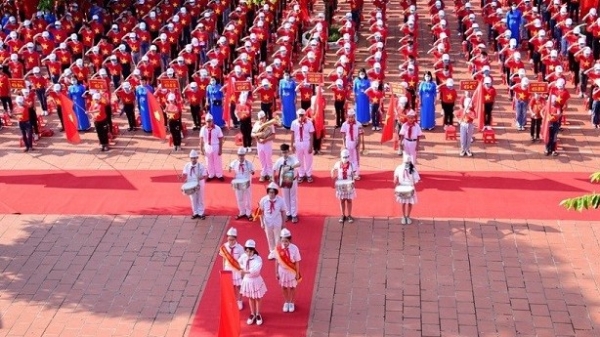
584 202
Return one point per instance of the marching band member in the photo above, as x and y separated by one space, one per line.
287 269
231 251
173 112
465 121
352 131
211 146
406 175
303 132
410 132
343 170
285 172
243 170
253 286
24 123
264 146
195 171
98 113
273 210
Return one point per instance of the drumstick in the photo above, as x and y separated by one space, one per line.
177 173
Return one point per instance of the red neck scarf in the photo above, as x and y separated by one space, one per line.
241 167
345 168
248 264
410 128
301 131
210 136
193 169
351 131
272 206
231 249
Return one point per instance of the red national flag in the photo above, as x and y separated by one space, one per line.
157 118
229 97
69 119
477 105
319 113
546 121
388 128
229 320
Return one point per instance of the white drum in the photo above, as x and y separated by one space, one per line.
344 186
240 184
404 191
190 187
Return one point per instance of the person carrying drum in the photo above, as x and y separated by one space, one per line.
405 178
194 174
353 131
303 132
241 183
273 209
343 173
211 146
285 173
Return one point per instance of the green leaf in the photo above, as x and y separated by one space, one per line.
595 177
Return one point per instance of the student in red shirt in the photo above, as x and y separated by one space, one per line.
375 94
24 123
98 112
5 95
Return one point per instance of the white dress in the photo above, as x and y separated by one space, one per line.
350 174
405 178
236 251
287 278
253 286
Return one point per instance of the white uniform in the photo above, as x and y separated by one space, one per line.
345 172
290 195
409 141
287 278
271 218
212 138
253 285
193 173
265 153
236 252
302 142
352 133
406 178
243 170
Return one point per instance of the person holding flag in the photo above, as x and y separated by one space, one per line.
287 269
76 94
231 251
98 113
465 121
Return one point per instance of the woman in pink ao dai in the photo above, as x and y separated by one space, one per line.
253 286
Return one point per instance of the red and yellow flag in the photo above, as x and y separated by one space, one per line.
477 105
319 113
229 320
388 128
157 118
69 119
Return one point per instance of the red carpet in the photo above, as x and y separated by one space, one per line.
514 195
276 323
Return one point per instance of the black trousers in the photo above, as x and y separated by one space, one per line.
340 113
60 117
129 110
34 121
487 113
108 111
317 143
234 118
448 109
536 127
7 103
126 69
41 95
246 130
102 132
268 109
305 104
552 137
195 110
175 129
27 133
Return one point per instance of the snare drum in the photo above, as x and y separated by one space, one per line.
344 186
287 179
190 187
240 184
404 191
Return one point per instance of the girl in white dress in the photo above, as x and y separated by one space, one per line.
272 207
406 175
287 269
231 251
253 286
344 170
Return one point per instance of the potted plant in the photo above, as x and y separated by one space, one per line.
46 5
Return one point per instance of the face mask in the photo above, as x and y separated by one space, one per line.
361 75
427 78
213 82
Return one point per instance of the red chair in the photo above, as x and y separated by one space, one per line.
450 132
489 136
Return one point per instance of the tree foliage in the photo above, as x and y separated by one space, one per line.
584 202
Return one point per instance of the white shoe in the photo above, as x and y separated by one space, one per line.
259 320
374 128
286 307
248 149
408 221
45 113
403 221
292 307
271 256
240 305
462 153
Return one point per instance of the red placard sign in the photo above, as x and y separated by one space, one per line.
314 78
16 83
169 83
397 89
98 84
239 86
468 85
538 87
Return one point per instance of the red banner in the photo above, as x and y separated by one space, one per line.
69 119
98 84
320 114
16 83
468 85
388 128
314 78
157 117
477 105
239 86
229 320
538 87
169 83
